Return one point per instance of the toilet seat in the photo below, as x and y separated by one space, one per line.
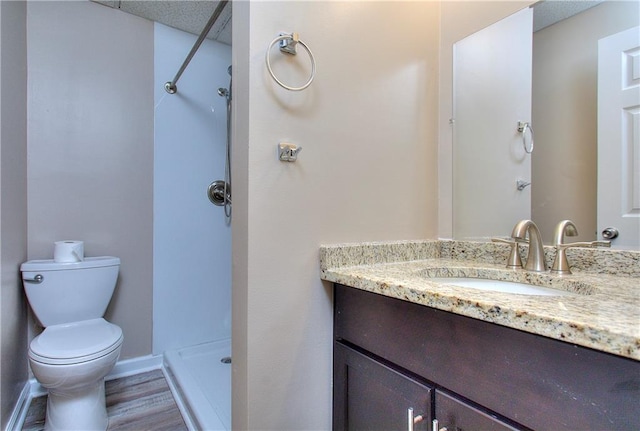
76 342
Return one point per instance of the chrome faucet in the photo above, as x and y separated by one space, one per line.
535 256
566 227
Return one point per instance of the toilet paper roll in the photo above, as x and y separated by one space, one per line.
68 251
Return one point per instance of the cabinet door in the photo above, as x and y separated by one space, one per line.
455 415
368 395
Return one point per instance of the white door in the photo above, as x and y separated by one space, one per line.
619 137
492 93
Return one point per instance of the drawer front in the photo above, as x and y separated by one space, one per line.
535 381
371 396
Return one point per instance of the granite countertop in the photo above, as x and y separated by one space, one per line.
602 311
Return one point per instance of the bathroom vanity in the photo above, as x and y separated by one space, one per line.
408 350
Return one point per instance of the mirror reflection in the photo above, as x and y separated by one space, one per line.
564 114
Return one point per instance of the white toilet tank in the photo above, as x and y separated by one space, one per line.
69 292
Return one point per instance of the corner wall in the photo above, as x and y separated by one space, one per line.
90 102
367 171
13 204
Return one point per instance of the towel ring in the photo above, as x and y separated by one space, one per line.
288 44
523 126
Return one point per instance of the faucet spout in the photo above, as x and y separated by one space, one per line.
561 263
535 256
564 227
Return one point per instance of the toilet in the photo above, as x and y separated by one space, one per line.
77 348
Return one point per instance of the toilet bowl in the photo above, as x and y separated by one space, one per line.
77 348
71 362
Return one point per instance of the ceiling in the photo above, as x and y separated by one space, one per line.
192 15
546 13
187 15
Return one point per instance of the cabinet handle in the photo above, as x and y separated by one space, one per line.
412 420
435 426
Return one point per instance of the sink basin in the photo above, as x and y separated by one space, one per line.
500 286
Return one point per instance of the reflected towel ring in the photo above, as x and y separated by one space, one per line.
523 126
288 44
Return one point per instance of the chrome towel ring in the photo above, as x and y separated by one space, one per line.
288 43
523 126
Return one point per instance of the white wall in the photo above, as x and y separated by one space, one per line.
90 146
459 19
367 172
492 94
13 204
192 240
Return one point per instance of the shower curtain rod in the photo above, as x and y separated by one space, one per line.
170 86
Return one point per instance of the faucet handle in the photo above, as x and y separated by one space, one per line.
586 244
514 260
561 264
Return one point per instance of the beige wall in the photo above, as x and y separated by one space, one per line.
90 106
459 19
565 106
13 204
367 171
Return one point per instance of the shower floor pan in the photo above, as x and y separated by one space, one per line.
203 379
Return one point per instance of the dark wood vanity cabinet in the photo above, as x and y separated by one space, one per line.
369 395
373 396
391 355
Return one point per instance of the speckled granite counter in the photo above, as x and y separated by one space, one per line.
603 311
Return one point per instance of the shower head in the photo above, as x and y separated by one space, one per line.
223 92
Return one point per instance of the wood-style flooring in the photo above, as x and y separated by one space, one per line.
136 403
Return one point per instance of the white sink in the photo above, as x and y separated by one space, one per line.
500 286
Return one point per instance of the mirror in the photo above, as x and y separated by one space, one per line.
564 115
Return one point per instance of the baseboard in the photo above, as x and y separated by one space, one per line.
20 410
129 367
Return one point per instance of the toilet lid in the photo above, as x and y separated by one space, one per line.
76 342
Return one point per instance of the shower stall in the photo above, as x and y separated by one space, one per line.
192 237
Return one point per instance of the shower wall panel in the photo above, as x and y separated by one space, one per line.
192 240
